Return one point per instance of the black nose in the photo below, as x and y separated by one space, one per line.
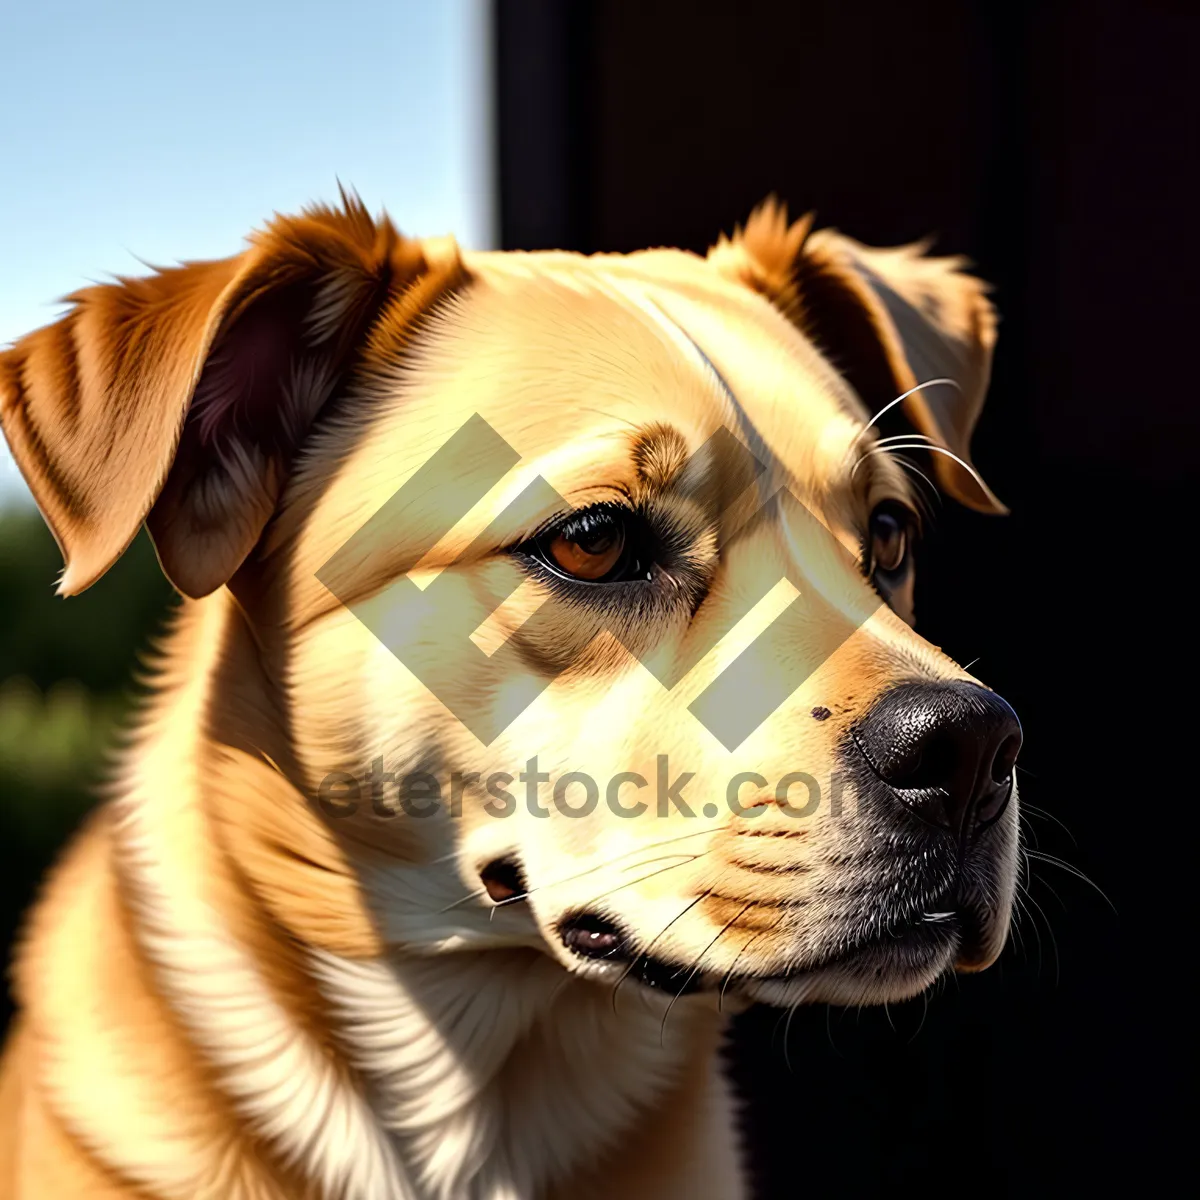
946 749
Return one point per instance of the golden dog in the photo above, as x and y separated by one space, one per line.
466 541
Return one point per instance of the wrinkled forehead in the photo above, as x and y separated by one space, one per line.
578 364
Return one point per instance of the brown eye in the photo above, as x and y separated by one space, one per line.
605 544
589 547
889 539
592 559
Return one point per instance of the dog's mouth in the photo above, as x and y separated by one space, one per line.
902 959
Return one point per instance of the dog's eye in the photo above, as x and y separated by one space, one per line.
888 556
604 544
890 528
591 550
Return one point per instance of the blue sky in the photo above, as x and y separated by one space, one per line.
158 131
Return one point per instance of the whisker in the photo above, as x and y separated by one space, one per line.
1019 897
787 1025
1047 885
682 858
922 499
646 951
909 465
829 1030
903 437
1025 825
479 892
1014 928
696 966
924 1014
892 404
1062 865
1050 934
1027 913
628 883
1042 814
567 979
733 965
966 466
650 875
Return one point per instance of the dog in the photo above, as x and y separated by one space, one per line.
464 542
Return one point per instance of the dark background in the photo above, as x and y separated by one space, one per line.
1056 145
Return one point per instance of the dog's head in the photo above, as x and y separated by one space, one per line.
584 586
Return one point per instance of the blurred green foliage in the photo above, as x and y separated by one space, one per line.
91 638
67 682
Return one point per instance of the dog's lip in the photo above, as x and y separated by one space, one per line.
972 952
935 934
954 933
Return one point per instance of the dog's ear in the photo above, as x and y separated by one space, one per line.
888 320
180 399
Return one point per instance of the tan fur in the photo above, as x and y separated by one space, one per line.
227 992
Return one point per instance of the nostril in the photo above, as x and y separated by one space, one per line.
591 936
503 880
1006 758
932 766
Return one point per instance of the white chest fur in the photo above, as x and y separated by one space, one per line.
495 1073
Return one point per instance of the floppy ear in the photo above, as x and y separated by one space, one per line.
888 320
181 398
